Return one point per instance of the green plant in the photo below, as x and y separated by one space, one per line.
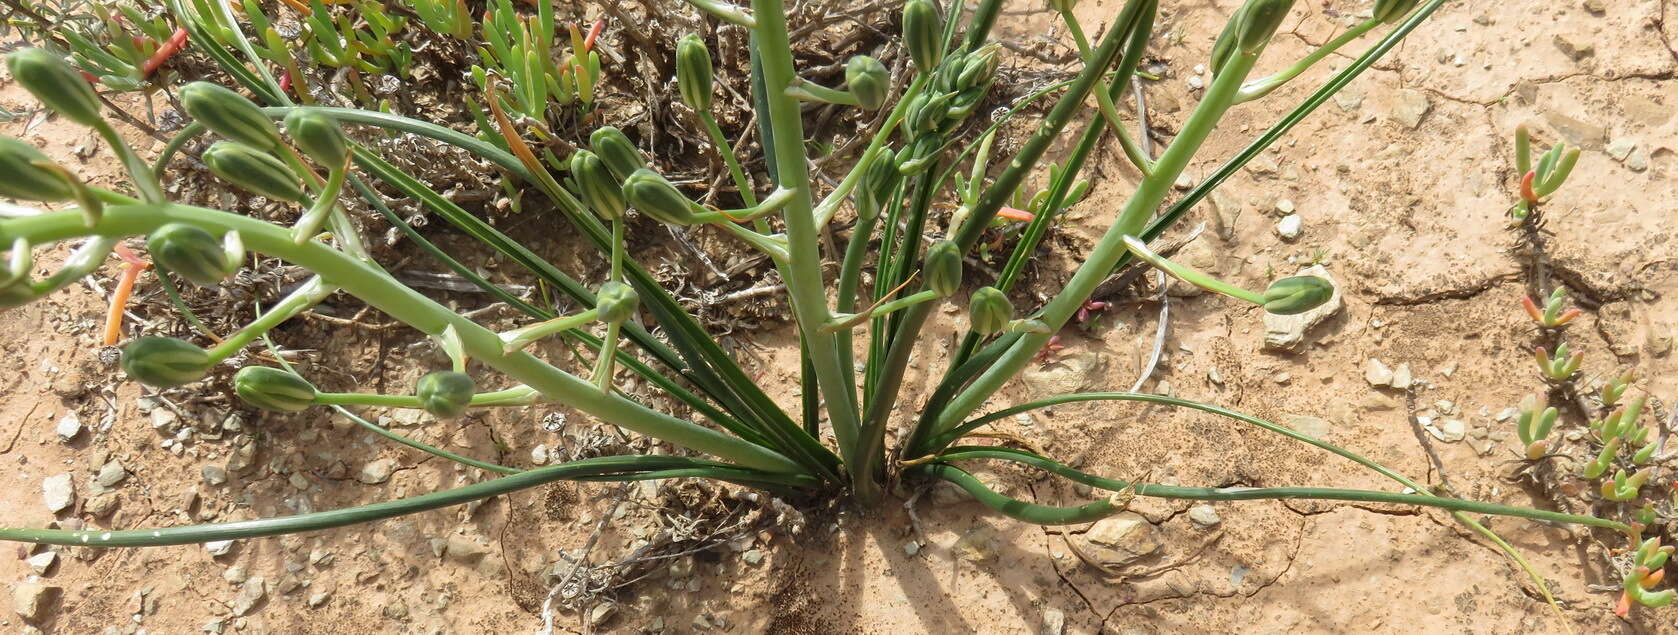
892 187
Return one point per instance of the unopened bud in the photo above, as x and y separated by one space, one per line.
923 34
30 175
868 80
446 393
597 187
616 302
990 310
229 114
694 72
273 389
1297 294
164 362
621 155
943 268
655 196
1390 11
190 251
318 136
51 79
1259 22
253 170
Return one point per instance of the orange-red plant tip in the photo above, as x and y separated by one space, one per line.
1623 608
593 34
1015 214
1527 193
1532 309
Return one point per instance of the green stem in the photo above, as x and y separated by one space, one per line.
519 396
1261 87
311 293
1104 101
519 338
608 352
842 322
726 151
428 449
829 206
406 305
1020 510
805 284
807 90
138 171
1189 275
1148 196
617 248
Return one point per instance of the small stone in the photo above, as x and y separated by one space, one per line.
602 613
1290 227
1377 373
1638 161
1585 134
1410 107
752 557
250 593
1314 427
165 420
30 599
218 547
42 562
214 474
110 474
315 601
215 626
396 611
1282 378
58 492
1595 6
1054 622
235 574
1214 376
1452 430
911 548
1450 368
1204 515
539 455
1285 206
1402 379
1183 182
1121 538
466 550
1618 148
102 504
376 472
1574 48
298 481
68 427
1196 83
242 459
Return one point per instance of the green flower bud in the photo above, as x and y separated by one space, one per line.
27 178
273 389
1297 294
694 73
868 80
920 154
445 393
990 310
923 34
229 114
253 170
1062 5
621 155
318 136
190 251
978 68
51 79
878 182
597 187
1391 11
926 113
1259 22
616 302
656 197
943 268
1224 47
165 362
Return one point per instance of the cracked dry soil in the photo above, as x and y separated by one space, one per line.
1401 181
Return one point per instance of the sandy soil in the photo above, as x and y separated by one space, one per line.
1401 182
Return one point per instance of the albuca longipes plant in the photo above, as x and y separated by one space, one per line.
739 434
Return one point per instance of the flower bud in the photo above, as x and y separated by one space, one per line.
1390 11
1259 22
943 268
51 79
1297 294
165 362
616 302
694 73
1224 47
445 393
923 34
229 114
1062 5
926 113
318 136
273 389
253 170
990 310
978 68
190 251
879 181
656 197
920 154
621 155
597 187
27 178
868 80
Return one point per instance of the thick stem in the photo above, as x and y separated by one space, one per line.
406 305
805 284
1261 87
1096 268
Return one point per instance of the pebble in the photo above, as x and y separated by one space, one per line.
1402 379
1204 515
539 455
1618 148
1314 427
235 574
376 472
752 557
1290 227
602 613
1054 622
58 492
466 550
110 474
911 548
1121 538
1453 430
218 547
250 593
68 427
319 598
30 599
1410 107
1377 373
1573 47
41 562
213 474
1196 83
1285 206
